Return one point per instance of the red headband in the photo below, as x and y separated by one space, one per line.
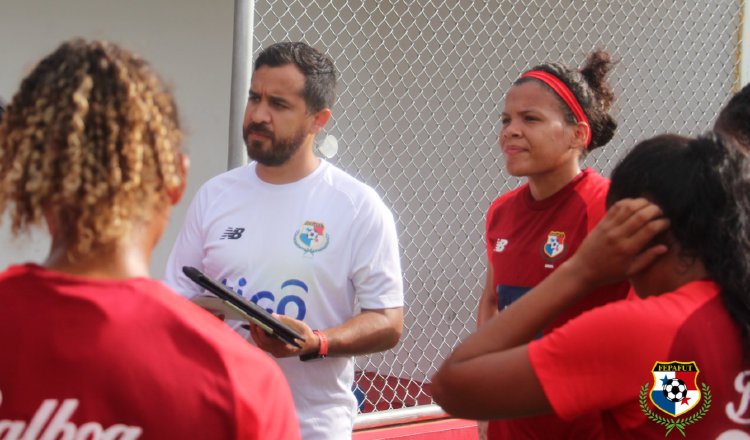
567 96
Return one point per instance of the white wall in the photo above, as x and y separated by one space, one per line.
188 42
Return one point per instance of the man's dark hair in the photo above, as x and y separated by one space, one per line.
320 74
2 107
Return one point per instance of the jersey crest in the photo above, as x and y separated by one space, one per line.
311 237
555 245
675 392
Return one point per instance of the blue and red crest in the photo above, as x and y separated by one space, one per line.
554 247
675 390
311 237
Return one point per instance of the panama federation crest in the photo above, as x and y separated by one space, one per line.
555 245
311 237
675 392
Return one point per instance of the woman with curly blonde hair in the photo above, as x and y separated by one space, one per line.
89 146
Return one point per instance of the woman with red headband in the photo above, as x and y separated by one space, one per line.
676 361
553 116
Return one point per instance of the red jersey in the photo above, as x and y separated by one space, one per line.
600 362
128 359
526 240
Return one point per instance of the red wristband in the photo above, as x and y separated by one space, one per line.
323 350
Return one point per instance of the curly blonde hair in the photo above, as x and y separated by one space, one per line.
91 140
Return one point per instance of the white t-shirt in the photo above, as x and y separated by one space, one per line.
316 249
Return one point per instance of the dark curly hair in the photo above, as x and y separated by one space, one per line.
703 187
590 88
734 119
320 74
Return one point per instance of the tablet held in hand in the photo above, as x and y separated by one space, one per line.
232 306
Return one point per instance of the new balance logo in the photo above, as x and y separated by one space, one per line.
500 244
232 233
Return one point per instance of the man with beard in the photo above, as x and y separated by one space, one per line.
301 238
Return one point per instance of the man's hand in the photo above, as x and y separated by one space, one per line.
280 349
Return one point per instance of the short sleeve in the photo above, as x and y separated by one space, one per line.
487 223
610 348
376 265
187 249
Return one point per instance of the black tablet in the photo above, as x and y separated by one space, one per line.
247 310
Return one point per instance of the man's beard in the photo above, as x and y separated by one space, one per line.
280 150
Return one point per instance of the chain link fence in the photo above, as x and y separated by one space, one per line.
421 90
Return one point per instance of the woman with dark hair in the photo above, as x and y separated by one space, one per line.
553 117
679 229
734 119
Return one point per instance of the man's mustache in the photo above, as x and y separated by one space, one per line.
260 129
